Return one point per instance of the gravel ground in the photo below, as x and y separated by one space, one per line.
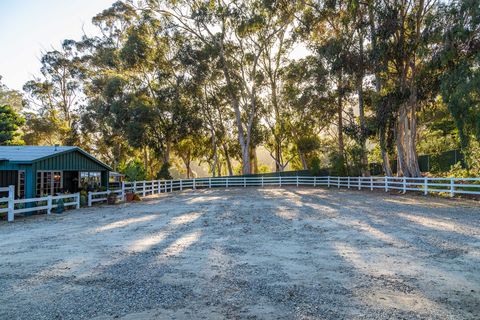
250 253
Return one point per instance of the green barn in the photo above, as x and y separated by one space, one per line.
44 170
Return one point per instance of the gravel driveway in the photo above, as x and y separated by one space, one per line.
291 253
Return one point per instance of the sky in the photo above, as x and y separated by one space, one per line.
28 27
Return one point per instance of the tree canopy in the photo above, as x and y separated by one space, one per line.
211 85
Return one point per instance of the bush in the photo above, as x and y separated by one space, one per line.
164 172
315 168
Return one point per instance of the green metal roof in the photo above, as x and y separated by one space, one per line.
31 154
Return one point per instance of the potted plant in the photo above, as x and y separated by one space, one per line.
129 196
112 198
60 206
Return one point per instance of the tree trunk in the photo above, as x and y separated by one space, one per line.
387 169
361 111
304 160
242 140
227 159
341 145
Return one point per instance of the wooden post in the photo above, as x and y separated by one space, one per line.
404 185
171 185
348 182
314 181
338 182
144 188
89 202
371 183
244 182
297 181
194 185
328 181
280 177
49 204
123 191
77 197
11 203
262 181
159 186
226 183
209 183
425 185
181 185
134 186
386 183
452 187
359 183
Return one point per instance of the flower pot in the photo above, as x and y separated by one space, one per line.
130 196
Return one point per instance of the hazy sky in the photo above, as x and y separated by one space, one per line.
28 27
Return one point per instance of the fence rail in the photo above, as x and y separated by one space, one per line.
451 186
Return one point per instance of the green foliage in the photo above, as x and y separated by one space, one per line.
164 172
315 166
10 123
134 170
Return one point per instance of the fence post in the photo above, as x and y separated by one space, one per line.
348 182
262 181
171 185
89 196
77 198
371 183
181 185
452 187
338 182
49 204
123 191
328 181
244 182
359 183
194 186
166 190
314 182
159 186
404 185
134 186
297 181
280 180
11 203
226 182
143 188
386 183
425 185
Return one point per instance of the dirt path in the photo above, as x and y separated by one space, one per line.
247 253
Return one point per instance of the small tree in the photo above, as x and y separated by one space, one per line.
10 122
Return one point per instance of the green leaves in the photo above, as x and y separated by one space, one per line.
10 123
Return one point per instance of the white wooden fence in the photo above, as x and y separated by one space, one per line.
451 186
13 206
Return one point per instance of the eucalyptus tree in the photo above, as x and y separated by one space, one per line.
403 31
311 105
458 61
237 30
55 95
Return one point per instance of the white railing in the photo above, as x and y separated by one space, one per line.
13 206
426 185
451 186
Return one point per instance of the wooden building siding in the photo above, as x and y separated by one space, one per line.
74 161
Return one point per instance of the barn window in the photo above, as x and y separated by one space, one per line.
49 182
90 179
21 184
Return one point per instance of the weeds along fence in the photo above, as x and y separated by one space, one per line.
426 185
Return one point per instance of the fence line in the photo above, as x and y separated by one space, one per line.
452 186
